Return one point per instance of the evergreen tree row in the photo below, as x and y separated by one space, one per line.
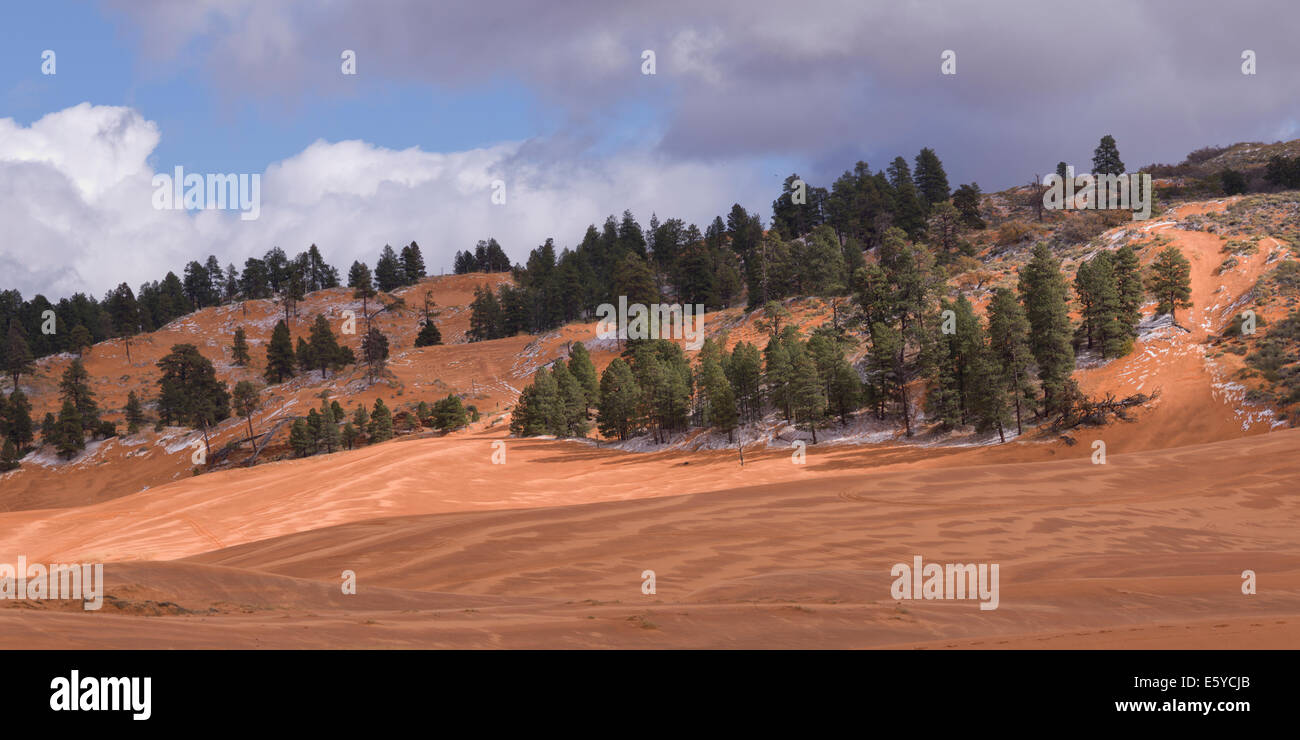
488 256
924 351
81 320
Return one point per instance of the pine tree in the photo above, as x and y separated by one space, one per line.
362 287
429 335
18 420
74 386
50 429
329 427
777 375
808 397
124 315
412 263
525 418
1170 281
134 413
744 374
245 400
315 430
1043 292
336 409
486 320
620 397
325 350
361 420
634 279
841 382
950 359
374 352
292 290
1010 349
189 392
389 275
230 287
349 435
449 414
9 456
1128 278
584 372
69 433
719 397
240 348
1114 334
545 408
17 355
80 340
300 438
895 298
572 398
931 181
990 397
1105 159
909 211
303 357
821 264
944 233
381 422
280 359
1087 288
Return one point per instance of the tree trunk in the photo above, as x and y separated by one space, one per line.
206 446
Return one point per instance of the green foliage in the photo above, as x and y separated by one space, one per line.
931 181
9 456
1104 317
1010 353
449 414
1170 281
74 386
1233 182
68 435
380 427
374 352
299 438
240 348
618 414
429 335
188 391
744 373
280 358
16 420
1043 293
1105 159
323 351
966 200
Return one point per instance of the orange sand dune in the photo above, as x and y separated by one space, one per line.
1088 554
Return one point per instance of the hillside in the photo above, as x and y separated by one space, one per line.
1202 394
544 550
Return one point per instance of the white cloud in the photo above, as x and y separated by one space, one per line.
76 199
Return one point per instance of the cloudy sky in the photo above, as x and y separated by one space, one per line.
549 98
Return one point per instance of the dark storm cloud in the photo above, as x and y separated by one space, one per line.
824 83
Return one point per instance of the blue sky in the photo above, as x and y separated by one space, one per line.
206 130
